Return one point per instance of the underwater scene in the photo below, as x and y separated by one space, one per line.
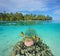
48 32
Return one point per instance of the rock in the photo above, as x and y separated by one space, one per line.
30 54
22 51
37 49
31 45
38 54
18 55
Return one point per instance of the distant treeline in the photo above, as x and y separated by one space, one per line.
19 16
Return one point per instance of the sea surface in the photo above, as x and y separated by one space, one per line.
48 32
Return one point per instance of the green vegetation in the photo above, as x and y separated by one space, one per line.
19 16
20 19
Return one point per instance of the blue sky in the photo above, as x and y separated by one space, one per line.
45 7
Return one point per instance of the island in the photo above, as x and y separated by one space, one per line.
20 18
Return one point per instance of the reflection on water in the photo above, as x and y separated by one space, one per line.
28 22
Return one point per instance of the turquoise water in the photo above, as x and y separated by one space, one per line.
48 32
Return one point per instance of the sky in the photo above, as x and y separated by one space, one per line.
44 7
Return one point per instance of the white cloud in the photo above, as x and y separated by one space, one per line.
57 11
30 5
27 5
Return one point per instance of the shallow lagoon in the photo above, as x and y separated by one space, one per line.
48 32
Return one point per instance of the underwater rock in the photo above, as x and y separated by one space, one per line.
37 49
18 55
31 45
30 32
